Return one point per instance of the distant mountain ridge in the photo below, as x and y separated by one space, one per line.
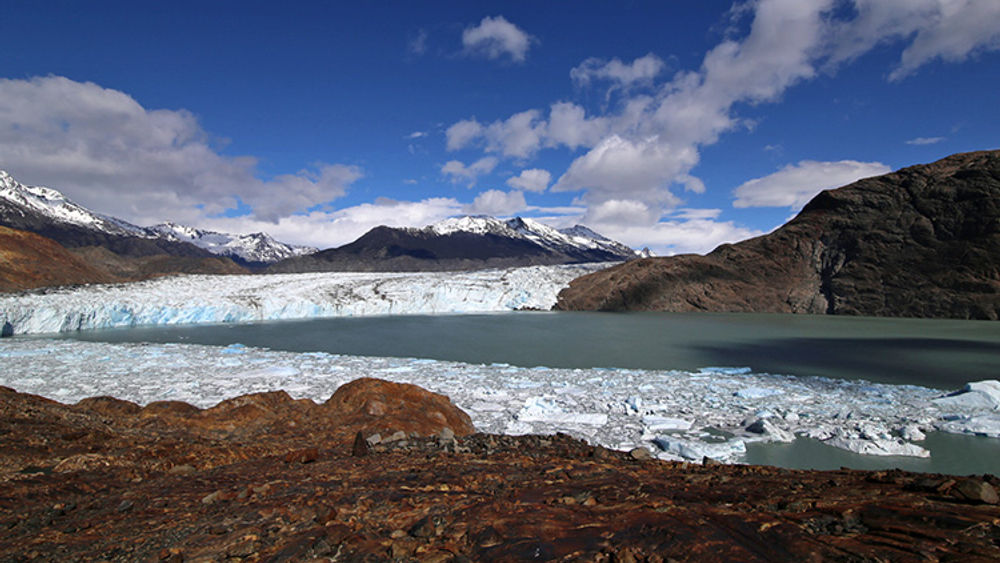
254 249
463 243
49 213
923 241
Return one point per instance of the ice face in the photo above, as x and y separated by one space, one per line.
678 414
229 299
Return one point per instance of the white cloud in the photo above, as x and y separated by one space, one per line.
925 140
107 152
462 133
794 185
949 30
531 180
569 125
328 229
458 172
620 212
417 135
519 136
495 37
497 203
648 143
641 70
640 170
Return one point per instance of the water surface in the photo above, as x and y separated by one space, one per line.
935 353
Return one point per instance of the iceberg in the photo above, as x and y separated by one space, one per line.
679 413
231 299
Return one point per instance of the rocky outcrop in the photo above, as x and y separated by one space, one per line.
265 477
920 242
28 261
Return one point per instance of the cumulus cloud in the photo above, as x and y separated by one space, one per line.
647 144
458 172
569 125
620 167
518 136
462 133
641 70
794 185
105 151
924 140
531 180
497 202
328 229
496 37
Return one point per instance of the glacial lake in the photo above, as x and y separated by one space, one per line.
942 354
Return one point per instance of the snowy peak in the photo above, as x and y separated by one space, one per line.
254 247
51 205
48 212
572 240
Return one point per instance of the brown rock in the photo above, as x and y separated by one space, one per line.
920 242
379 406
305 455
977 491
360 447
507 498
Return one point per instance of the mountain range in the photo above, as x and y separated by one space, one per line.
923 241
463 243
121 251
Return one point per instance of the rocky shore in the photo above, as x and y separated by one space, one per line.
386 471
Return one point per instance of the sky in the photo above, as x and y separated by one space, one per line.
671 125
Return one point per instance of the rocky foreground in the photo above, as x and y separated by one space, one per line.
921 242
385 471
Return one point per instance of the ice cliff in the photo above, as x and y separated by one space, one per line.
225 299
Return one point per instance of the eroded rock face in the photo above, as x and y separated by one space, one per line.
265 477
920 242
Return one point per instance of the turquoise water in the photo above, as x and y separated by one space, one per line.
943 354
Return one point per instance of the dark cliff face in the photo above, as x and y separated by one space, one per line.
920 242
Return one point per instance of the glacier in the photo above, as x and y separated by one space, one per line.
679 415
194 299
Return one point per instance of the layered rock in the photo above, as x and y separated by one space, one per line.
265 477
920 242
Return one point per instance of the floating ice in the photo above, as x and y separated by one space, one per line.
978 394
680 414
228 299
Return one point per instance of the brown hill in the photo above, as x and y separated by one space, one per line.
264 477
28 261
920 242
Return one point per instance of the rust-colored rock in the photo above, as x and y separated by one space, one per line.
383 406
28 261
921 242
102 480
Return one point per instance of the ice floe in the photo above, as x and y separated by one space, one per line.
676 414
228 299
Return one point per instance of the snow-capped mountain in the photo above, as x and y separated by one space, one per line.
35 204
251 248
573 239
49 213
462 243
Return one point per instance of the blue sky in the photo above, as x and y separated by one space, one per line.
673 125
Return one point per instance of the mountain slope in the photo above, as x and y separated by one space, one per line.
28 261
47 212
254 250
462 243
920 242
